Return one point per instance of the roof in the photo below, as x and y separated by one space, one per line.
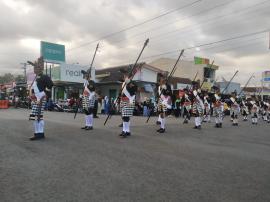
175 80
255 89
112 74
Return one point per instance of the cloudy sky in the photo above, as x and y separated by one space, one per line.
121 27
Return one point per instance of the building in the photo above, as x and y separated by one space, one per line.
231 87
67 78
188 70
108 80
264 92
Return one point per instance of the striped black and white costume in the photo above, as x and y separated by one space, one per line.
206 117
186 106
254 112
164 104
217 109
235 110
39 94
245 111
127 105
265 111
88 103
197 109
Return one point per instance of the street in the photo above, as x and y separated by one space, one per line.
231 164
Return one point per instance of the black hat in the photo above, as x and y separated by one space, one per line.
83 72
123 70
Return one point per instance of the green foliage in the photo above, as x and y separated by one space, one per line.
7 78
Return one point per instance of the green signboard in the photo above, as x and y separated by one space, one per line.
52 52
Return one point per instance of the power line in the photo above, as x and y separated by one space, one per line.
210 43
175 52
178 20
202 22
136 25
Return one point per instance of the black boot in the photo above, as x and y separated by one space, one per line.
185 121
37 136
161 130
121 134
89 128
124 135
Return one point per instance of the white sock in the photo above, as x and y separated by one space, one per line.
125 126
36 126
86 121
217 120
252 119
41 126
199 121
90 120
256 120
196 121
159 118
128 127
220 119
162 125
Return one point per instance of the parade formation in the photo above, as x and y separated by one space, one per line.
194 102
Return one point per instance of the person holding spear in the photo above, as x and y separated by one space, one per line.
127 95
39 92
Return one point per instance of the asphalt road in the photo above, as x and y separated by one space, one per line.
231 164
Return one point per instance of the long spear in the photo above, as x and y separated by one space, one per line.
88 73
252 76
229 82
130 75
169 77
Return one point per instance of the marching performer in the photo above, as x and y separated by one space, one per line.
207 108
217 107
39 92
127 102
254 111
245 110
265 114
164 101
88 100
197 109
235 109
186 105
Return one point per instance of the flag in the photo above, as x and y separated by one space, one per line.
198 61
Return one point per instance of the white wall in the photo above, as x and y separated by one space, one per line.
71 73
185 69
146 75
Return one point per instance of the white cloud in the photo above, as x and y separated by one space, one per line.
73 23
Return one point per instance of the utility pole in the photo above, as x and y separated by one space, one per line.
24 69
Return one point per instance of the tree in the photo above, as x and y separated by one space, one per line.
19 79
6 78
